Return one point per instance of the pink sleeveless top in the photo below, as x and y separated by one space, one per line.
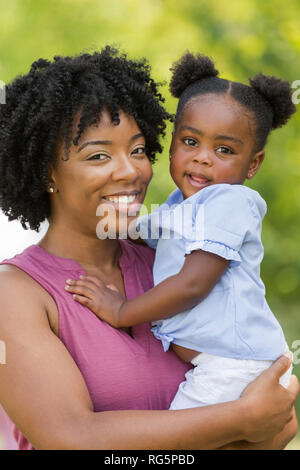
121 372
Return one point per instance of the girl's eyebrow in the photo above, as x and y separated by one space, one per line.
217 136
228 137
107 142
192 129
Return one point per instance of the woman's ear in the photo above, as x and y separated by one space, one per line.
255 164
52 187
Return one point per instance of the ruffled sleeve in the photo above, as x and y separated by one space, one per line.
221 220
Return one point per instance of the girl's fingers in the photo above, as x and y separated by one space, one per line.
94 280
112 287
80 289
83 300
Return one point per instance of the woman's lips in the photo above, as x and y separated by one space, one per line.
128 203
198 181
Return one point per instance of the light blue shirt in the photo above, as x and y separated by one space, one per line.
234 320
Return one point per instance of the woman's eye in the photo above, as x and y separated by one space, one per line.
224 150
98 156
190 142
139 151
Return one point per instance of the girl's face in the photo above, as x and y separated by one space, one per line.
213 143
109 169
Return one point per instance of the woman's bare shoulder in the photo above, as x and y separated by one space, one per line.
15 280
10 270
19 292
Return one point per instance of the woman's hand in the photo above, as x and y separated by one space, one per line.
278 442
269 406
104 301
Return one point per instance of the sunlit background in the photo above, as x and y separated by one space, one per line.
243 37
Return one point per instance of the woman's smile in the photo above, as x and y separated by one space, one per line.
126 201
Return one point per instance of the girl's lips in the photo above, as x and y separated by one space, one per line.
197 181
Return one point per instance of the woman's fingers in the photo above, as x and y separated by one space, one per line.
280 366
294 387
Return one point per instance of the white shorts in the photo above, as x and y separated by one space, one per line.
216 379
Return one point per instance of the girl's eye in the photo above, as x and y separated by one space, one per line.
140 151
190 142
98 156
224 150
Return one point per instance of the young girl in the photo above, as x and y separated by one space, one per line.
209 300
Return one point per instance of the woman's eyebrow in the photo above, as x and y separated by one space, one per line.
95 142
136 136
106 142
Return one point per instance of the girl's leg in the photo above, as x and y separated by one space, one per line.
215 379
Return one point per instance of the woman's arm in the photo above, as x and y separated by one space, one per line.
43 392
199 274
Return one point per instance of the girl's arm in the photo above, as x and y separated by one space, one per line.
199 274
44 393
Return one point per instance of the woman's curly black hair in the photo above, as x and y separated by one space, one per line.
269 98
41 105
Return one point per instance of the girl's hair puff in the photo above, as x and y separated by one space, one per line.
268 98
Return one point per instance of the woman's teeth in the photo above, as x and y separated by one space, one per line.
121 199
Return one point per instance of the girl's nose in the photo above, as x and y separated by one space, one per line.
203 157
125 169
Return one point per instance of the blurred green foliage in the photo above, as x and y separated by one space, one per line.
243 37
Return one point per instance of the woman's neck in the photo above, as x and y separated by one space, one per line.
88 251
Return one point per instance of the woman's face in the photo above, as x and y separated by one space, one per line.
106 176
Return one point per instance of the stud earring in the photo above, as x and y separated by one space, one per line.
51 188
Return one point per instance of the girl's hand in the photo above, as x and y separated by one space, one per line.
104 301
269 406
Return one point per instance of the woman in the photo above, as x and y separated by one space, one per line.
77 138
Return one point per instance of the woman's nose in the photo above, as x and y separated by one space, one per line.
125 169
